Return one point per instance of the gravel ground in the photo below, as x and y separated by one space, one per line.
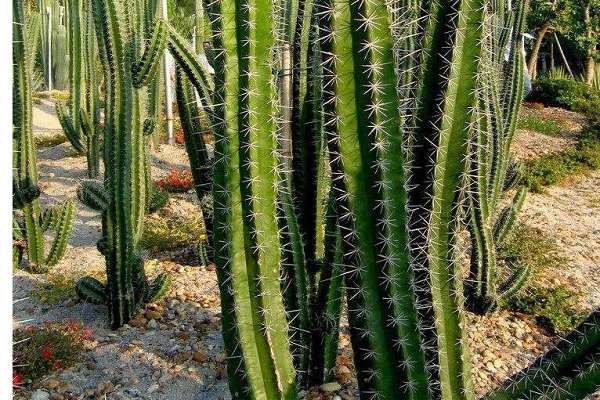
173 349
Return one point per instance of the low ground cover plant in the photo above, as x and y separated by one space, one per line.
533 123
41 350
554 308
158 198
551 169
171 232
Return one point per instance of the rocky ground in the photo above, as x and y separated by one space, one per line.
173 350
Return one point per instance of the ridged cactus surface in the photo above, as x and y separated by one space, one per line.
80 120
311 271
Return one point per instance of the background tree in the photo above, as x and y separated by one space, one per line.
580 22
541 19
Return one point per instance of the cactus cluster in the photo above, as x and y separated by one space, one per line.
29 221
81 122
397 95
491 169
353 143
130 45
310 265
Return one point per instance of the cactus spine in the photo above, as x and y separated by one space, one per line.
311 278
25 174
500 91
396 184
81 122
396 300
194 125
122 197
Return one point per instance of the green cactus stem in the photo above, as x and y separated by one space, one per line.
81 120
122 197
500 91
29 231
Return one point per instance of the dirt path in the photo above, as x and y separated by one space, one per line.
44 117
570 213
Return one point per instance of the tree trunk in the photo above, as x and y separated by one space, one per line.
590 66
532 67
590 62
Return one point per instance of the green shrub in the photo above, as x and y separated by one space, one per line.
158 198
553 308
60 287
49 141
532 123
172 232
531 246
566 93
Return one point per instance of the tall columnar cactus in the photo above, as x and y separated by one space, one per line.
194 123
491 172
399 87
129 63
54 46
313 270
311 280
399 103
81 123
31 227
244 111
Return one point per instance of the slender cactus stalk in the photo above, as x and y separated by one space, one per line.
54 43
311 279
500 91
25 173
81 121
127 62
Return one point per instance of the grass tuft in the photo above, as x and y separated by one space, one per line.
536 124
551 169
162 233
553 308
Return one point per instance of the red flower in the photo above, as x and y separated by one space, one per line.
17 379
46 353
88 333
72 325
57 365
